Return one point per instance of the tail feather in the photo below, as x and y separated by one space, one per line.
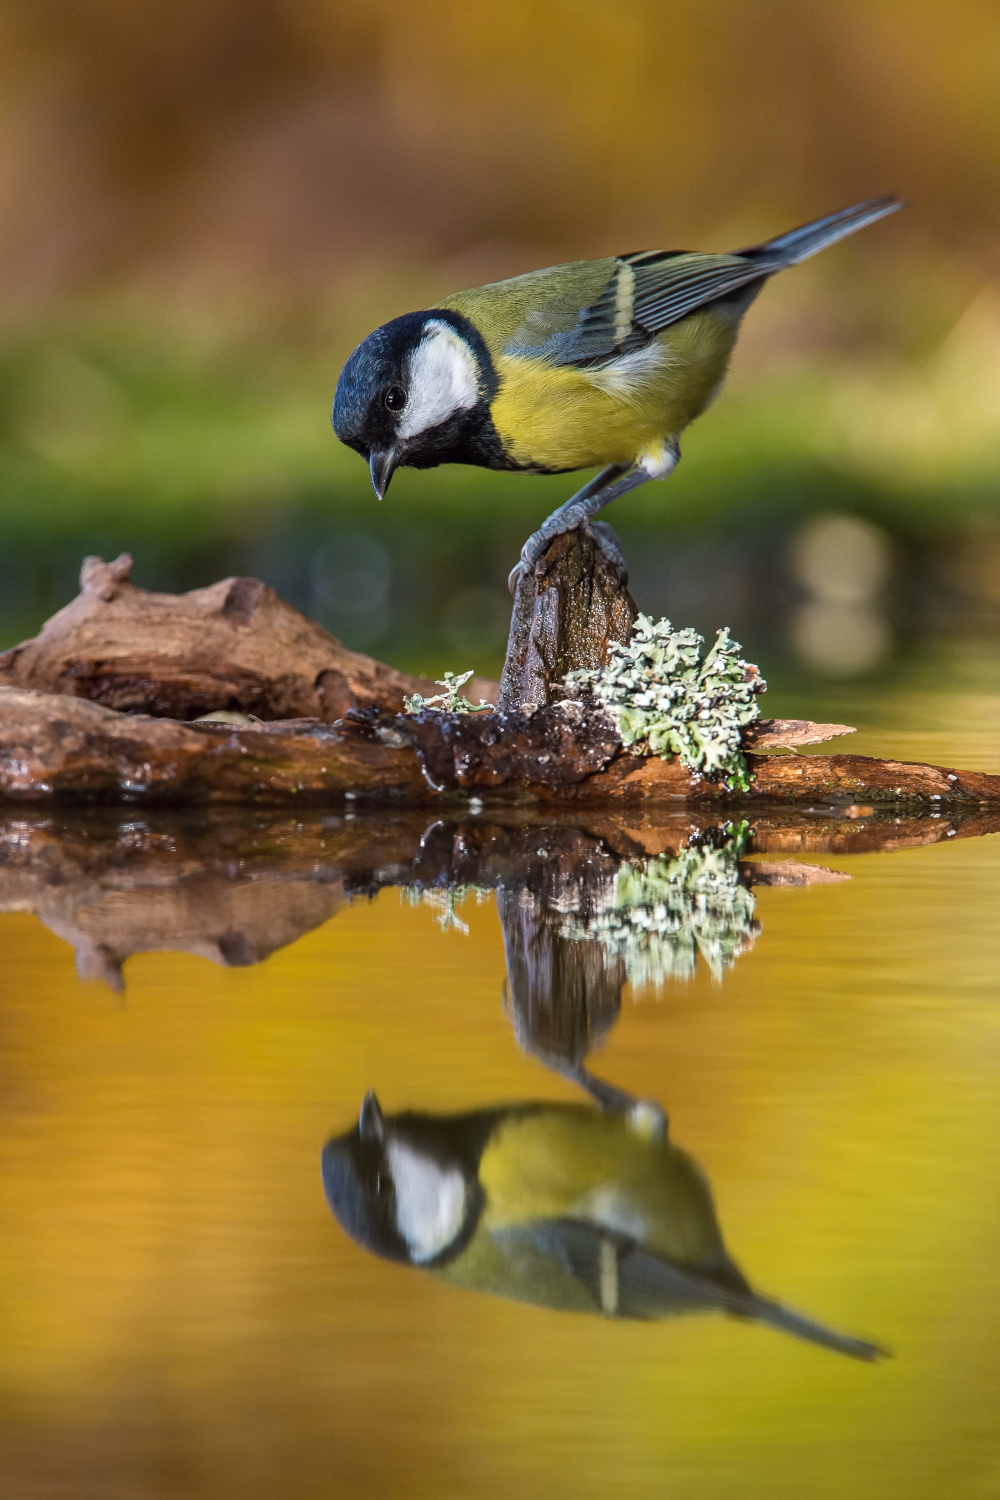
798 244
775 1316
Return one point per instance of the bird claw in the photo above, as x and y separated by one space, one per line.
532 551
538 544
515 575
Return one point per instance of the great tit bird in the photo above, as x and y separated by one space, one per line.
559 1205
598 363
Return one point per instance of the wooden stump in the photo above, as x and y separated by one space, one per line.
567 611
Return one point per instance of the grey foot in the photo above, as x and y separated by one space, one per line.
539 542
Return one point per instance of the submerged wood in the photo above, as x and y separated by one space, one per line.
233 646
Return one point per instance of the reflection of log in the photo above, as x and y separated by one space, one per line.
63 747
563 996
231 892
566 612
788 872
563 993
236 885
230 922
233 646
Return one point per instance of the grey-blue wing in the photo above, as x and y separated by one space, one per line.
650 290
622 1279
618 1277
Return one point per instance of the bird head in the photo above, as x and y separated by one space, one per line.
417 393
396 1190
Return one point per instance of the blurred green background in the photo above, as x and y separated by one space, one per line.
206 205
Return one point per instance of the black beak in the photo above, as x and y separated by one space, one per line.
371 1125
382 464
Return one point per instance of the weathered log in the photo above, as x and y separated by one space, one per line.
234 646
60 747
854 780
237 646
568 609
787 734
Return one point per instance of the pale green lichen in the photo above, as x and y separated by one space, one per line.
445 900
666 910
451 701
667 701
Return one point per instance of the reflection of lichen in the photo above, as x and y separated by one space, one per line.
667 701
445 900
451 701
667 910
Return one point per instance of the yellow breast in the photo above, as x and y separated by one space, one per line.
558 417
573 1162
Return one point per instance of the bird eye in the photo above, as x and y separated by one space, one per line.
395 398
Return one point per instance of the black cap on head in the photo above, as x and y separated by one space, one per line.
405 1186
365 413
358 1188
416 393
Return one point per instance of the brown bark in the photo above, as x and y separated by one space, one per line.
856 780
237 646
61 747
567 611
233 646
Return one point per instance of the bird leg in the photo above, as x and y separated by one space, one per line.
610 484
611 1099
645 1115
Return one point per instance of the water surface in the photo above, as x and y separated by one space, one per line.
184 1316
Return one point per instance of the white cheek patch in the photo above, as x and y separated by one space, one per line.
443 379
430 1201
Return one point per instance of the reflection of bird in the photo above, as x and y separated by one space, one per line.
595 363
554 1204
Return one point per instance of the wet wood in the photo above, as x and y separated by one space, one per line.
556 747
60 747
233 646
855 780
55 748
